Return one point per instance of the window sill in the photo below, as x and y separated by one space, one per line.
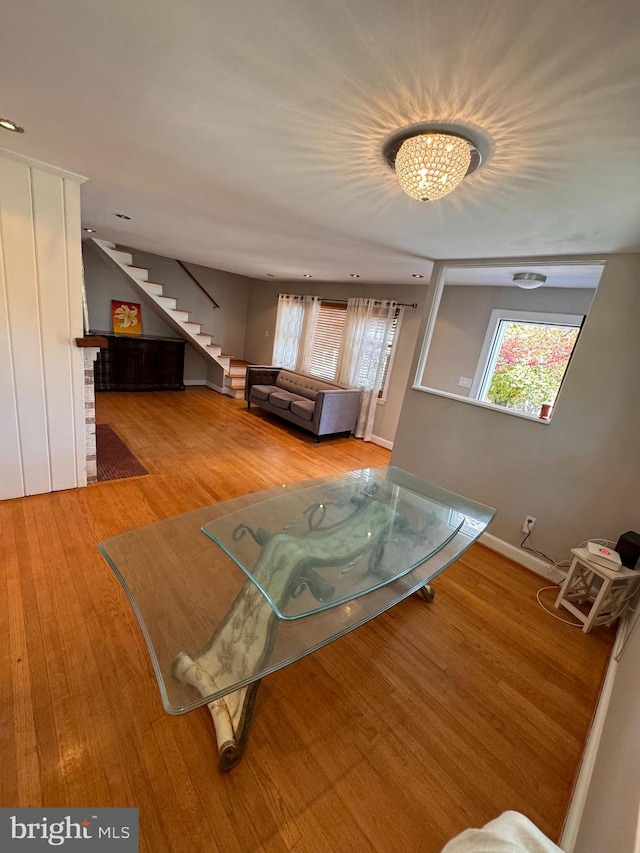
482 405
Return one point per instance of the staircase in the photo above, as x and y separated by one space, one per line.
234 369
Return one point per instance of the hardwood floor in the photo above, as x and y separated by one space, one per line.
425 721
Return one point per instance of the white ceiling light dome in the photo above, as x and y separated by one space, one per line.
529 280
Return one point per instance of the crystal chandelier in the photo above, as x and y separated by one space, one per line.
430 164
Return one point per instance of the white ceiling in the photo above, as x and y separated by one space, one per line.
558 275
247 136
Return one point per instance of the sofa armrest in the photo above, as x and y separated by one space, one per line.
336 411
259 374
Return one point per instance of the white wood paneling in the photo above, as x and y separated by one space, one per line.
24 323
55 332
11 479
75 276
42 438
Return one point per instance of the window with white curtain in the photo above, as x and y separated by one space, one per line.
325 338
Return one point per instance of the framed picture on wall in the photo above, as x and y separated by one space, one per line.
126 317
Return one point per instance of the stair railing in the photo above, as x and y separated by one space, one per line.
192 276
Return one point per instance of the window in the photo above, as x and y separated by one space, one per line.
326 340
325 349
524 359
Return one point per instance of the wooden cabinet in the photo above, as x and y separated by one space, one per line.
140 363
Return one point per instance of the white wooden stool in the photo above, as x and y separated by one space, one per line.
611 599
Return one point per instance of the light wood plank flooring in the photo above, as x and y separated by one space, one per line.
430 719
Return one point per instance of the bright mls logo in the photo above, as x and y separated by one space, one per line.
104 830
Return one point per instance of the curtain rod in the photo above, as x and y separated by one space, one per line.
345 301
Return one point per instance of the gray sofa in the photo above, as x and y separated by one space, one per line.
322 408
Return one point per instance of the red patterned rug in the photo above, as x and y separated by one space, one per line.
114 459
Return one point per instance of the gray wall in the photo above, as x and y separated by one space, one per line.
463 317
579 474
104 283
261 323
226 324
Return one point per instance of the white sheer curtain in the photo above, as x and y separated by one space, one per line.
367 334
311 311
295 327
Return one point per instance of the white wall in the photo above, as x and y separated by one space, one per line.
42 428
261 323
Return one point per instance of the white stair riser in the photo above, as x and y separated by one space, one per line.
168 304
151 288
137 272
125 258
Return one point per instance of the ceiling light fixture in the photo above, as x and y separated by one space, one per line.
7 124
306 275
354 275
416 275
122 216
89 230
430 162
529 280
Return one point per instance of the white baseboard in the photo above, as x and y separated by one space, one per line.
579 797
524 558
383 442
194 382
228 392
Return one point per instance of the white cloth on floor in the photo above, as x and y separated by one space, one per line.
512 832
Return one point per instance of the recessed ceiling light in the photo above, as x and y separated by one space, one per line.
7 124
89 230
122 216
416 275
354 275
270 275
306 275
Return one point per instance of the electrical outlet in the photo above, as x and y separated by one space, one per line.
529 524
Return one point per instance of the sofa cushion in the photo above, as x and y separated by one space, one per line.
261 392
283 399
299 383
303 409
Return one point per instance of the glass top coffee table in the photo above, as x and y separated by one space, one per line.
232 592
